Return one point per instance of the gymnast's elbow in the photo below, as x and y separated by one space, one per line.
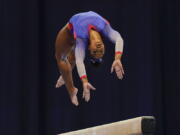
116 36
121 40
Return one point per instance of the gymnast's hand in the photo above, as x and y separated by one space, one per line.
86 90
117 66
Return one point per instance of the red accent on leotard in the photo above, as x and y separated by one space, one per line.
90 26
82 77
107 21
119 52
75 36
70 26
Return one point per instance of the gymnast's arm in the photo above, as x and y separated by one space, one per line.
79 56
115 38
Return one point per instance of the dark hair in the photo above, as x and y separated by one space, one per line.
96 62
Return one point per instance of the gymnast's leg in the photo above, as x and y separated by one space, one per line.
71 58
63 46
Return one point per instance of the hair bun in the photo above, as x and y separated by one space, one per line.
96 62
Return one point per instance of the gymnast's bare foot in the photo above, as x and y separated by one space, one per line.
73 96
60 82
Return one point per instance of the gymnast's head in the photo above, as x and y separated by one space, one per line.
96 48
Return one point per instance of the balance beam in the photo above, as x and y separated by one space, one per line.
144 125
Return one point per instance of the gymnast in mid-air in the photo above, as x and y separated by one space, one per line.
84 31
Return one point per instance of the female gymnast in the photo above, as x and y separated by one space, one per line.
83 32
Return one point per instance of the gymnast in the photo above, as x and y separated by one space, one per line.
83 32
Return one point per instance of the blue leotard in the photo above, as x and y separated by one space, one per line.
83 22
80 24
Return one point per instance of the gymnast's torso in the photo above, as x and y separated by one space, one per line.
81 23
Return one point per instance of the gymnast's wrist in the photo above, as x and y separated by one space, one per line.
84 78
118 55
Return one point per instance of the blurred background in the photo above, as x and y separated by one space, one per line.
29 102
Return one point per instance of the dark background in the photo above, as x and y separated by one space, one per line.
29 103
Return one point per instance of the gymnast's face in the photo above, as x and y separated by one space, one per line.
96 46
